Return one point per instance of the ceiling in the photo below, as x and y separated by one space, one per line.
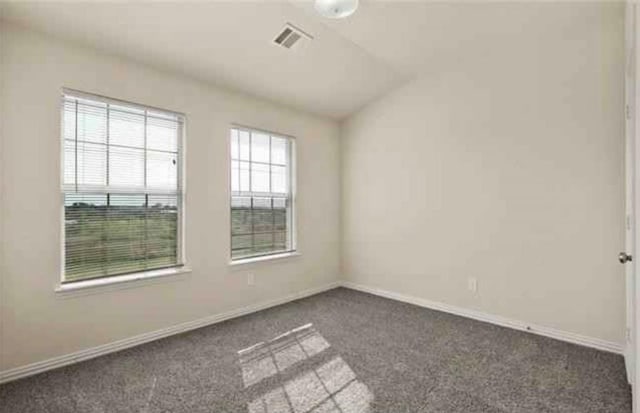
348 63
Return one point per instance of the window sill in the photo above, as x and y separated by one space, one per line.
120 282
266 258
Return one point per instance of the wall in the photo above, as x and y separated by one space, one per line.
504 164
36 324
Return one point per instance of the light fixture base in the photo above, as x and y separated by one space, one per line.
336 9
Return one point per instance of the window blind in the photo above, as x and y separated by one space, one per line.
261 194
121 187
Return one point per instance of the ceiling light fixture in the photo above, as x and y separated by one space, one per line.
336 9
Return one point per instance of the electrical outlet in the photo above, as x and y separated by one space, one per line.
472 284
251 279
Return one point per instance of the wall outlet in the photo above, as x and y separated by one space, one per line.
251 279
472 284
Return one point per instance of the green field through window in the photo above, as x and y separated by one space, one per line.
103 240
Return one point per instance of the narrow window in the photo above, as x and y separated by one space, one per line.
121 187
262 205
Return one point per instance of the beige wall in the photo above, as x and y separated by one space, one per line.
503 164
35 323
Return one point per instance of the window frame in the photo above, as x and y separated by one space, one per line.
180 267
292 209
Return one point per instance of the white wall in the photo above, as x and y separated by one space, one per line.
504 164
35 323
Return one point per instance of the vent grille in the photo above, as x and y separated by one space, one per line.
291 37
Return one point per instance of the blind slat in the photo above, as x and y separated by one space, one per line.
261 215
121 188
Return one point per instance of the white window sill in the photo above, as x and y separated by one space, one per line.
119 282
266 258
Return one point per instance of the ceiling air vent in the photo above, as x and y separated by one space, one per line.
290 37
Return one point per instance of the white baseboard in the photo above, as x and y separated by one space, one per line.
52 363
493 319
49 364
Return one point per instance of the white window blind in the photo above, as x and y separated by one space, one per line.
121 186
261 194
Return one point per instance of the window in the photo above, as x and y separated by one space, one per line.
261 194
121 187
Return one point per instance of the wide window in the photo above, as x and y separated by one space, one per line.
261 194
121 187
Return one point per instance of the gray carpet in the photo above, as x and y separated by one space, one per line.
342 352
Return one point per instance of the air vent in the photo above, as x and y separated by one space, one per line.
290 37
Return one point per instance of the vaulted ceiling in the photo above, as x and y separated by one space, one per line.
348 63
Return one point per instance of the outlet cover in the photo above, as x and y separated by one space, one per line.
472 284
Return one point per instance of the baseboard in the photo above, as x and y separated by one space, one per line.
49 364
42 366
573 338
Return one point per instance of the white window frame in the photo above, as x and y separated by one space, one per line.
71 286
292 210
